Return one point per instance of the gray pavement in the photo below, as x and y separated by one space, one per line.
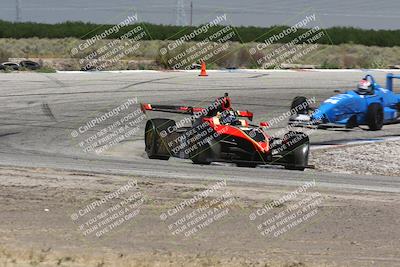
38 112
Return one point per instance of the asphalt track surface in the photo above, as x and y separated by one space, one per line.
39 112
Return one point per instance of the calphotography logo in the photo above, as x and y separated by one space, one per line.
205 43
130 19
106 130
198 213
282 215
111 212
102 52
289 46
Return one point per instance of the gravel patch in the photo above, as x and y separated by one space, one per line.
377 158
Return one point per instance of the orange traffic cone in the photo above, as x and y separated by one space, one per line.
203 69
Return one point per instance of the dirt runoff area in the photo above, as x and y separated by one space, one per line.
372 158
63 218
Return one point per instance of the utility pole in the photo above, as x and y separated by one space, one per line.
180 13
18 11
191 13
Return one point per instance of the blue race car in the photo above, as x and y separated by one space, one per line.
369 104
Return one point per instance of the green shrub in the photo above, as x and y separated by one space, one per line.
46 70
329 65
81 30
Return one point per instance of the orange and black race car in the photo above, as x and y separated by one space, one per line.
218 133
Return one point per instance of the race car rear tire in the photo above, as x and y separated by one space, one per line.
297 155
375 116
155 146
299 105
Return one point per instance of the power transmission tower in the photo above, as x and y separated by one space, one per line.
18 11
180 13
191 13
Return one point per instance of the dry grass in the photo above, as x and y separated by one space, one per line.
56 53
29 258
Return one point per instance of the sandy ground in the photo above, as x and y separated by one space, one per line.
350 228
377 158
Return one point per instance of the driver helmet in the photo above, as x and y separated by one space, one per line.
229 118
365 86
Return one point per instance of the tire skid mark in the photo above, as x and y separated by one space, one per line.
47 111
119 90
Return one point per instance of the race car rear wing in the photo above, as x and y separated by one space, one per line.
389 80
186 110
245 114
170 109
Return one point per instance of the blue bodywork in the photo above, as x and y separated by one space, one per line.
352 105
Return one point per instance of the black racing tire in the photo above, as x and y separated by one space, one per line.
297 155
31 65
155 146
10 66
201 156
200 161
206 153
299 105
352 122
375 117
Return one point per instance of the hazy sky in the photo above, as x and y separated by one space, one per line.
383 14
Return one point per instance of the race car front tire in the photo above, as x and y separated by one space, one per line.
155 146
375 117
201 156
299 105
296 156
206 153
246 165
